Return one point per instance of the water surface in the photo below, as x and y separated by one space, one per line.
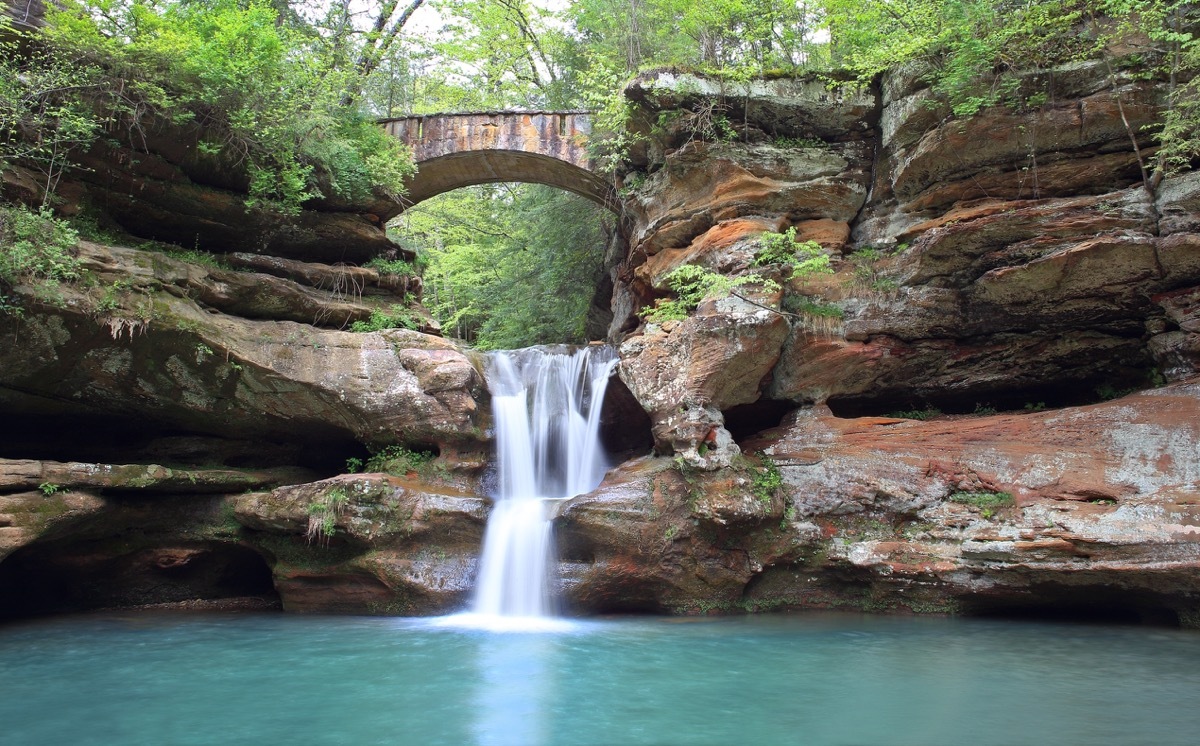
790 679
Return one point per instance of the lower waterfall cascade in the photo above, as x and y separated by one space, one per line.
546 402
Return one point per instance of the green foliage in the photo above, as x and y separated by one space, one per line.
917 414
884 285
733 36
49 488
866 272
803 257
36 247
265 97
44 111
509 265
974 52
789 515
693 284
192 256
1174 31
986 501
398 460
601 85
323 515
396 267
397 317
505 50
815 315
633 182
802 305
766 479
962 41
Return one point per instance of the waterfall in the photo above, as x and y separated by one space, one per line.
546 403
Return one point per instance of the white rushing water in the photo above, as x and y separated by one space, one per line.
546 403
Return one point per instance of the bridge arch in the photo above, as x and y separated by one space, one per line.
458 150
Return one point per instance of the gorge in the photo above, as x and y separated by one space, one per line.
990 406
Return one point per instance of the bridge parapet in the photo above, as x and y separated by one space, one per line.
557 134
544 147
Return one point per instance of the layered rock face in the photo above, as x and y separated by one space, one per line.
180 432
1090 510
143 400
168 387
1011 267
1007 258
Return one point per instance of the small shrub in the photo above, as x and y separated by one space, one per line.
322 515
398 460
885 286
191 256
803 257
666 309
49 488
866 274
398 317
36 246
866 256
917 414
766 479
110 299
789 515
802 305
397 267
985 501
693 284
814 315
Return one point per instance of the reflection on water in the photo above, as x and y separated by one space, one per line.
517 677
817 680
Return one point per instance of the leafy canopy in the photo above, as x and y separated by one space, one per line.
264 95
510 265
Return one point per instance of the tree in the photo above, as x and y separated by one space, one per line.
509 265
378 42
44 115
258 87
508 52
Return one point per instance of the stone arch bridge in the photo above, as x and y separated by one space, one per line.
541 147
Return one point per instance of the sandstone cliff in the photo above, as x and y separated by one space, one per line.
989 268
1000 414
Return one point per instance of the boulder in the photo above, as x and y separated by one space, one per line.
686 373
368 543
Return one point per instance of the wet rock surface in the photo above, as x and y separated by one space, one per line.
1090 509
368 543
